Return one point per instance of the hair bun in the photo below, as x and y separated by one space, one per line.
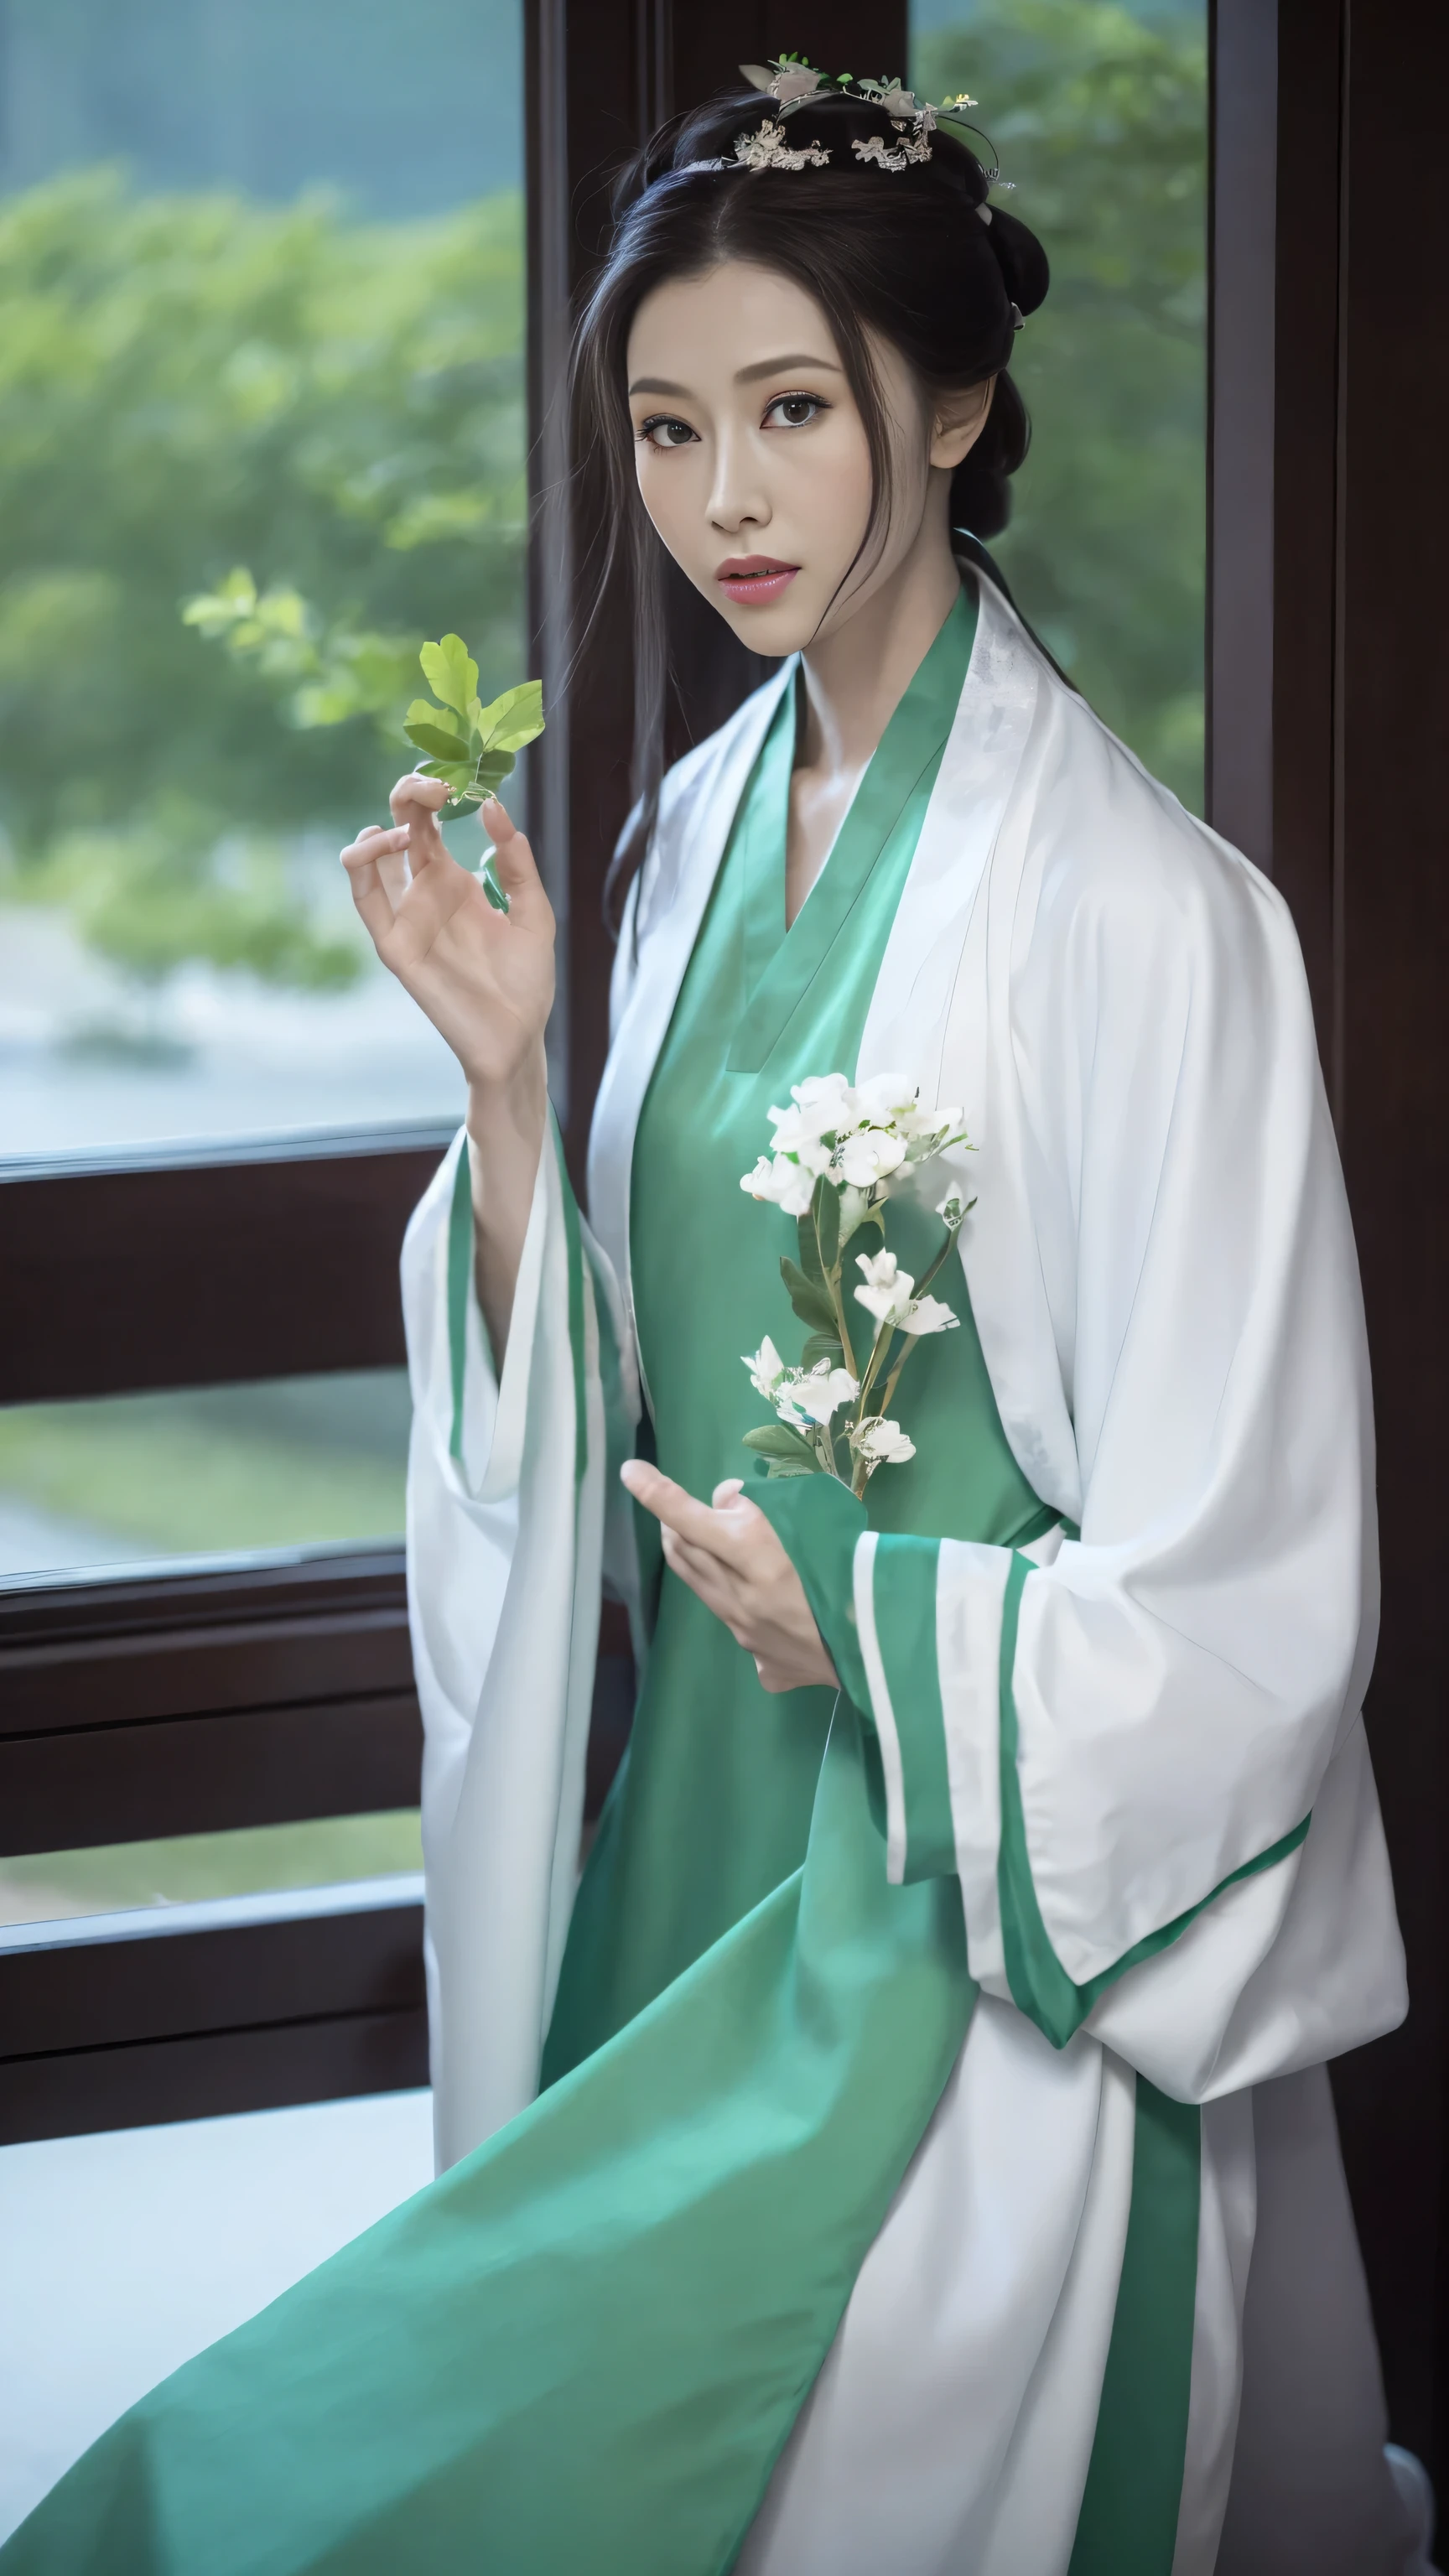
1019 256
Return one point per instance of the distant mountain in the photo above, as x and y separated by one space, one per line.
405 106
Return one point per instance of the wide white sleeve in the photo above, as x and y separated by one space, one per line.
1139 1744
507 1486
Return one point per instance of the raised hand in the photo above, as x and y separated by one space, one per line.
485 978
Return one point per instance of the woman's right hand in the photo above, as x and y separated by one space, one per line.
485 978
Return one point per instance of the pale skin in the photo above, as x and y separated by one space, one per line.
750 451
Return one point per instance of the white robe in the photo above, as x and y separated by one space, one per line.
1163 1278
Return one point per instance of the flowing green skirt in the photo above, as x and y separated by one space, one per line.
585 2346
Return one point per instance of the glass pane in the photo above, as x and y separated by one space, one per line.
189 1869
133 1479
261 322
1099 116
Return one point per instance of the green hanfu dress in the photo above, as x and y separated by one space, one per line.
592 2343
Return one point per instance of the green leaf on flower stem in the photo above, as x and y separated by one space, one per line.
451 673
513 719
435 739
827 1222
492 769
810 1261
790 1467
822 1346
777 1440
810 1301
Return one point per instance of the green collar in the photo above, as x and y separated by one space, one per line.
781 968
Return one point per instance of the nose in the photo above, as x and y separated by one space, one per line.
737 499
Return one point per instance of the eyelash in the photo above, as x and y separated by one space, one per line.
670 420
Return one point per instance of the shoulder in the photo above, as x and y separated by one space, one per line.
1115 866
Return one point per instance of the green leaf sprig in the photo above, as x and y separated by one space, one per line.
471 746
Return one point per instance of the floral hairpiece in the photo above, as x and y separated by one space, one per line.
790 82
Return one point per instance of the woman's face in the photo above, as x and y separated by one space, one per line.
752 457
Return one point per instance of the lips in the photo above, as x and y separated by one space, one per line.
753 580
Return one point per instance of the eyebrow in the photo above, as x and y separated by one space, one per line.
745 375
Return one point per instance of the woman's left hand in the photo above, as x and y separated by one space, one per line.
727 1552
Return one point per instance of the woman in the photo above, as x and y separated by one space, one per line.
996 1862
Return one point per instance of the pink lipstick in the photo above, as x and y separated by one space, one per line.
754 579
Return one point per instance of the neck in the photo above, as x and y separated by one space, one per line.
856 676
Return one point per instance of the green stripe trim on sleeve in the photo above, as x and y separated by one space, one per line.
1127 2525
460 1281
574 1250
903 1595
818 1521
1040 1986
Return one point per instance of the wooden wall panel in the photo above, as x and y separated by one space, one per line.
1330 558
1390 863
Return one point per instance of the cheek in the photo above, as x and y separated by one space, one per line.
667 490
828 482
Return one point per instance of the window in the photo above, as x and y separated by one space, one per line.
261 433
1099 119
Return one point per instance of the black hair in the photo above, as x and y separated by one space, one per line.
914 255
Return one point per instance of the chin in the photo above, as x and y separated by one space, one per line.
785 627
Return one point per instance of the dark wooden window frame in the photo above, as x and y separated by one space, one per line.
285 1689
1328 683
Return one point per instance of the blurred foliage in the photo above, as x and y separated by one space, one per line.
307 1462
1100 121
188 383
106 1878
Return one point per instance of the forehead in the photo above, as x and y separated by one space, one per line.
712 324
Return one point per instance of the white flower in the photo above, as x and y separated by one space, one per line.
823 1391
794 1186
928 1315
886 1100
951 1212
887 1296
783 1183
766 1369
878 1443
887 1290
824 1105
869 1156
794 81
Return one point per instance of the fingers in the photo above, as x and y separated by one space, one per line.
415 801
514 864
706 1576
670 1504
414 789
374 898
727 1492
371 843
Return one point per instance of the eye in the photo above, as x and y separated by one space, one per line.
795 411
662 431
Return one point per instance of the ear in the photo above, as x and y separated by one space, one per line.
960 417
